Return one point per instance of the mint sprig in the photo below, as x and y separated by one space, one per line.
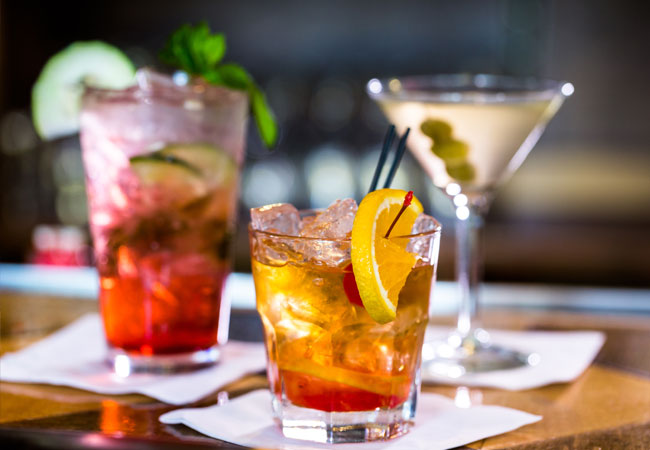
199 52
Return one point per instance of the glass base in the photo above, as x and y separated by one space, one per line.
343 427
124 363
458 355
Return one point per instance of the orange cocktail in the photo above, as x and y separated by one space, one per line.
329 353
337 374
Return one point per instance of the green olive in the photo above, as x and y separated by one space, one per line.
450 150
462 172
437 130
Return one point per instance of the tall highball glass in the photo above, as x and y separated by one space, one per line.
162 165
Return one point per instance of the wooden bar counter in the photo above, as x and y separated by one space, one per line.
608 407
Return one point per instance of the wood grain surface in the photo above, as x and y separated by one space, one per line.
608 407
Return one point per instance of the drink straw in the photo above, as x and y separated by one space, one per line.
401 147
388 140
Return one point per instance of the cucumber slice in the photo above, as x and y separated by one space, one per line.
56 96
172 179
216 165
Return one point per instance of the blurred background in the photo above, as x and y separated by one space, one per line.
577 212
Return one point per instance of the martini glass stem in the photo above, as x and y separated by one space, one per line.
469 265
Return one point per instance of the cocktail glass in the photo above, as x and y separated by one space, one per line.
162 167
336 375
469 133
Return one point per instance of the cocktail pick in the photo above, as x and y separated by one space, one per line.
401 147
408 198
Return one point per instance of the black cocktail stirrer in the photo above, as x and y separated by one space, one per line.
388 140
401 147
398 158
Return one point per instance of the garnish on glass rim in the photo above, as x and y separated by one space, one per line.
381 266
408 198
199 52
349 282
56 94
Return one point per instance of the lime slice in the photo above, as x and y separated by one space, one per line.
381 266
174 180
217 166
56 96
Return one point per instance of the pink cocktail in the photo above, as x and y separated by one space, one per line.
162 166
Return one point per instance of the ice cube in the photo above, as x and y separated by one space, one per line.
330 253
275 250
292 329
424 223
306 310
148 79
299 339
335 222
364 347
281 218
423 246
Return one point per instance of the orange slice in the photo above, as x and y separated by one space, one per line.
382 265
379 383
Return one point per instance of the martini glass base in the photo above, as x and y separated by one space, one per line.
458 355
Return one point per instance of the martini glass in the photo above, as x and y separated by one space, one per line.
470 133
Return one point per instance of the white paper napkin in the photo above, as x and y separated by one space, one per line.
74 356
439 424
561 357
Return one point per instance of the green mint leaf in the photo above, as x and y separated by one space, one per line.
214 49
264 119
234 76
194 41
177 52
208 49
197 51
194 49
213 76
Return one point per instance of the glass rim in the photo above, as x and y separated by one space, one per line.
455 88
436 230
209 94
